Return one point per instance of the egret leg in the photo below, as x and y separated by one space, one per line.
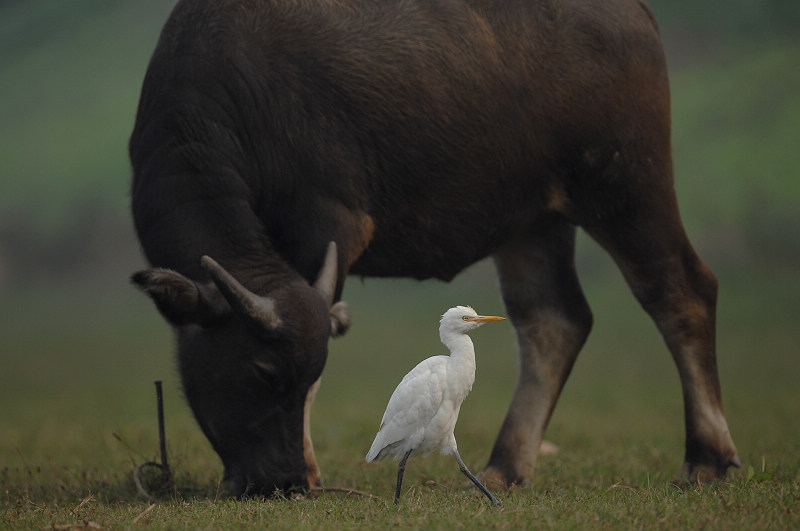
465 470
400 470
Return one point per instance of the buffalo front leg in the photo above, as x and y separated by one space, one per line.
312 468
552 321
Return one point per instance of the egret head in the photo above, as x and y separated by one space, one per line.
463 319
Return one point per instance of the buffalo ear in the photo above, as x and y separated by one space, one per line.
340 319
180 300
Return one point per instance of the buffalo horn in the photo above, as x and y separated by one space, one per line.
326 280
261 310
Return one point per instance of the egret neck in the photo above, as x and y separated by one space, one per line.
461 362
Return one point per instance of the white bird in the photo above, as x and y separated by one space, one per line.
422 412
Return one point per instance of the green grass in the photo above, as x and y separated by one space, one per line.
79 413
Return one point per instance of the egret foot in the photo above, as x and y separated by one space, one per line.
465 470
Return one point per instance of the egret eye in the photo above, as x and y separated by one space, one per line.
465 318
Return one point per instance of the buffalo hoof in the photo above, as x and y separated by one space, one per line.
314 477
702 473
548 448
495 478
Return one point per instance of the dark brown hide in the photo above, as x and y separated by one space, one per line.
420 136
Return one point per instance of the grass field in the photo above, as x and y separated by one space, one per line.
79 414
79 348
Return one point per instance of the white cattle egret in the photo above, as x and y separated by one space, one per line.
422 412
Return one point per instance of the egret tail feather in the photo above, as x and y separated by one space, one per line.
380 451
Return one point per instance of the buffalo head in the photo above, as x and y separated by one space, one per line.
247 363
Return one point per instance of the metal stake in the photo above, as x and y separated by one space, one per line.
166 474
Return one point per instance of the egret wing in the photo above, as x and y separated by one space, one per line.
413 404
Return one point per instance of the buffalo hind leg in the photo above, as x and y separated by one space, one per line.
679 293
552 319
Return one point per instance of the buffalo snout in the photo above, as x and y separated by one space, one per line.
240 483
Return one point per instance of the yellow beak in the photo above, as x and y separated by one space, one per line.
487 318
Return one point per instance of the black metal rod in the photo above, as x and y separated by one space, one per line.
161 433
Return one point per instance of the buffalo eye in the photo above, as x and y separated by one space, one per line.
269 374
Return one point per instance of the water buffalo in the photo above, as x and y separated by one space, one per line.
420 136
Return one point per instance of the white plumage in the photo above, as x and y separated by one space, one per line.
422 412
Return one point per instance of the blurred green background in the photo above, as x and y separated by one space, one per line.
79 347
